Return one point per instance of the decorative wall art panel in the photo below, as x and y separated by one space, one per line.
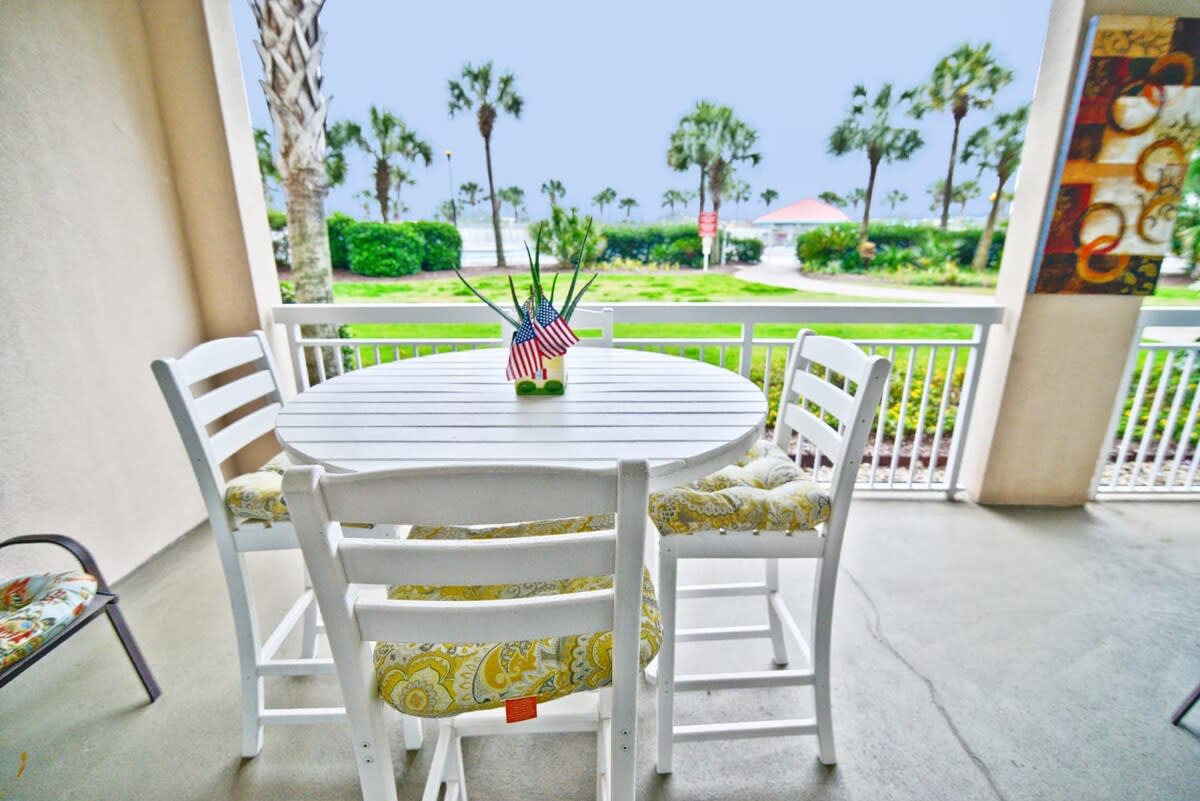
1136 124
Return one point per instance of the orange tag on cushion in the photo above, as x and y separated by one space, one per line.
519 709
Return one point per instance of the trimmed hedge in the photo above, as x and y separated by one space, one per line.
339 250
636 242
686 252
443 245
747 251
389 249
835 247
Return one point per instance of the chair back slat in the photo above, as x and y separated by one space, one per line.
486 621
593 319
443 495
831 398
497 561
817 366
224 399
243 431
503 493
210 358
812 428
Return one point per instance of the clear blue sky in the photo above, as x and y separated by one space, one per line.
605 84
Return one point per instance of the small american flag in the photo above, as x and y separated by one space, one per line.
524 356
554 336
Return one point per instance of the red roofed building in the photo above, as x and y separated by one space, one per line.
802 215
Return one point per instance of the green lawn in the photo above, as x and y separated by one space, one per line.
1174 296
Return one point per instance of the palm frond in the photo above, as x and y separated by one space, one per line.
495 308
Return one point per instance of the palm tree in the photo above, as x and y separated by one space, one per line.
629 204
996 147
487 96
470 192
671 197
604 197
833 199
266 161
739 192
894 197
968 78
290 47
768 196
386 139
514 196
962 194
868 128
854 197
399 179
555 189
712 138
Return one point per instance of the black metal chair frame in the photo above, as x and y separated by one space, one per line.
1186 706
104 601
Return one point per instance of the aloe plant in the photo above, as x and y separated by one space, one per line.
536 287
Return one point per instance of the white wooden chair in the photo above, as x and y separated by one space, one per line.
594 319
269 529
827 375
341 565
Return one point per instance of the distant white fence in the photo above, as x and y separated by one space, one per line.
921 425
1153 437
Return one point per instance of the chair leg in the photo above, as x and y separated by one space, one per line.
822 629
245 628
454 777
308 641
125 635
778 643
413 735
664 706
371 750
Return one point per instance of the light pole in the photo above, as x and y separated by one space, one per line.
453 205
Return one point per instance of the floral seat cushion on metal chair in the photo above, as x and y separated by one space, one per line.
445 679
35 608
763 490
258 496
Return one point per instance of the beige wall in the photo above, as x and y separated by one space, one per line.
122 239
1051 374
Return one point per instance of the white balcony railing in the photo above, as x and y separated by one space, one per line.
1153 437
919 431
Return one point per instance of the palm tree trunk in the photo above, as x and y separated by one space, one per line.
864 234
703 175
985 239
950 174
487 152
290 47
383 188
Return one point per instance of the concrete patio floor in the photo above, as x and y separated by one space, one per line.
978 654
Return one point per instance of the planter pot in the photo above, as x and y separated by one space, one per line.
551 381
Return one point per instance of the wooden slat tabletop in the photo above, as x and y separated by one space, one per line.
686 418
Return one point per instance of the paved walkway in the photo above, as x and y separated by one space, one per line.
780 267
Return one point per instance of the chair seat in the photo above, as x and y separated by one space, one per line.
445 679
35 608
258 496
764 490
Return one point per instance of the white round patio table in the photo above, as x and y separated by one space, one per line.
685 418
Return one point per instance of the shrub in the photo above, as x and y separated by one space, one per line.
747 251
443 245
339 251
637 242
836 246
563 233
287 292
276 219
685 252
385 248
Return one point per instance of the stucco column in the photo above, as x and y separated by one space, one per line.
1053 368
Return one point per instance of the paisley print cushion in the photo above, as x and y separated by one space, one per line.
444 679
34 609
258 496
764 490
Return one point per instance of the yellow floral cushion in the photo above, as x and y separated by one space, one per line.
764 490
258 496
444 679
35 609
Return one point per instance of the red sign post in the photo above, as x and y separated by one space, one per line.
708 223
